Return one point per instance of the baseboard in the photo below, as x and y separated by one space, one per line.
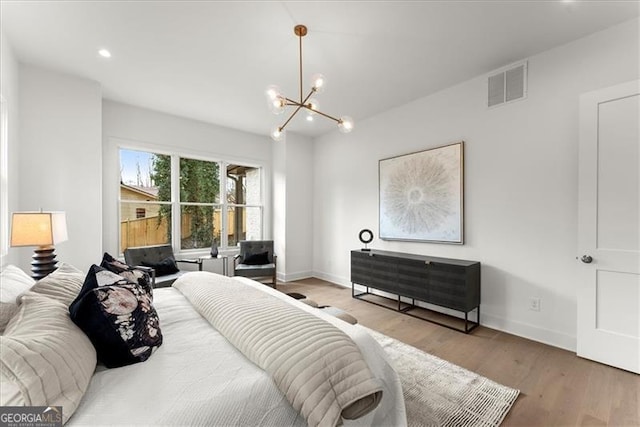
342 281
524 330
290 277
531 332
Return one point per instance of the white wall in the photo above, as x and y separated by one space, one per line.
299 208
520 182
146 129
293 206
60 158
9 91
280 207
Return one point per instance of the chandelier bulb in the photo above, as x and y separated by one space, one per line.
345 125
272 92
318 83
277 105
277 134
275 100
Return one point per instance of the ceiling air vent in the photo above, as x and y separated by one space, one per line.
510 84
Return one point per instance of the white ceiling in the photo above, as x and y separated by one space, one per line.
212 61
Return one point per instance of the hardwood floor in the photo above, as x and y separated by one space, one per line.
557 388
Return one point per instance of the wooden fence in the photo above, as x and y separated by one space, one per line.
155 231
143 232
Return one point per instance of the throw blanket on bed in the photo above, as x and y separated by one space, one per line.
316 366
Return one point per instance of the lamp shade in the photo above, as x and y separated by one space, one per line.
38 228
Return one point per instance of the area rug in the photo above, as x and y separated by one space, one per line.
439 393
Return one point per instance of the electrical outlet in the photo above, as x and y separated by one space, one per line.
534 304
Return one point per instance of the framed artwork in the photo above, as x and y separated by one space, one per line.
422 195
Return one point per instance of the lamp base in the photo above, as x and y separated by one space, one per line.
44 262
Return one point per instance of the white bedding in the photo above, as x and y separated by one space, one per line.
198 378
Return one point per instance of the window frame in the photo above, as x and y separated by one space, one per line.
177 204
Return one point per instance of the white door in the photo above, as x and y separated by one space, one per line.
609 227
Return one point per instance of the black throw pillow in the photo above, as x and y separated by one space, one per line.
257 259
164 267
118 317
129 272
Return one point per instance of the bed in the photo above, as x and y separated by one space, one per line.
203 375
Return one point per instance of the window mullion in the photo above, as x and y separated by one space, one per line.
176 232
224 214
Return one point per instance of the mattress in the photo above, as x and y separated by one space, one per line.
198 378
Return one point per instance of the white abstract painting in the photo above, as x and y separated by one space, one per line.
421 195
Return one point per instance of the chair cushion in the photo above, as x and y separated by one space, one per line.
256 259
135 256
262 269
163 267
249 247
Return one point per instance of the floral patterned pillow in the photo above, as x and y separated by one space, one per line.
118 317
130 273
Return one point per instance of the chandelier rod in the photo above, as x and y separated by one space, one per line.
301 31
324 114
301 105
292 114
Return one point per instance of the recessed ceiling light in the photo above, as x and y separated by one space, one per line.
104 53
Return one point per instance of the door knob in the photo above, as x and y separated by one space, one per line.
586 259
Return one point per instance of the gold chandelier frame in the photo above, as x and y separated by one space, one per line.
278 101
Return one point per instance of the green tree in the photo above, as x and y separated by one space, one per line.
161 178
199 183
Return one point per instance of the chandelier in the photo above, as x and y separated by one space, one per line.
278 102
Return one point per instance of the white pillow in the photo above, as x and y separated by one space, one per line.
13 283
63 285
7 311
46 356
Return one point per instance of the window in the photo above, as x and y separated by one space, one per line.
244 210
180 200
140 193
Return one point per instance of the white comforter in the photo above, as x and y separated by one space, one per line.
198 378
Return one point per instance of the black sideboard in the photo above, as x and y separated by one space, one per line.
449 283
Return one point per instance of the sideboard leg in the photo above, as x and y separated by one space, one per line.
466 319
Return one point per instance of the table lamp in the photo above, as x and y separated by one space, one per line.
41 229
